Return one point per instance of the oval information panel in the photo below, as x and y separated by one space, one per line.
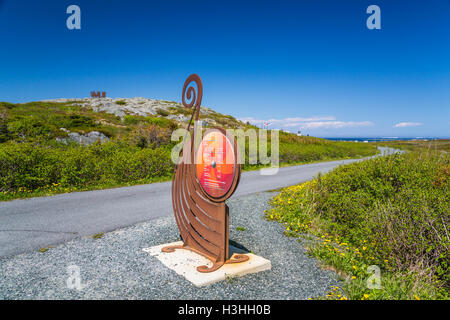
215 164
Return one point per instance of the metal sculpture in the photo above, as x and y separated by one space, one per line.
98 94
204 178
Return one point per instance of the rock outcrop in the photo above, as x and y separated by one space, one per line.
83 139
133 106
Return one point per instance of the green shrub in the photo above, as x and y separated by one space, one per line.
150 136
162 122
162 112
4 133
32 166
26 165
390 211
131 119
145 164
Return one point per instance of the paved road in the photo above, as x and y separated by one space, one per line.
34 223
116 267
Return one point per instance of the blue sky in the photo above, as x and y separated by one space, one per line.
303 65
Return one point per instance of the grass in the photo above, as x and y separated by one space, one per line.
98 235
390 212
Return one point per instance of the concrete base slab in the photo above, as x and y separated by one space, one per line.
185 263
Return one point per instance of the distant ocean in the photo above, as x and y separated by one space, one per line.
374 139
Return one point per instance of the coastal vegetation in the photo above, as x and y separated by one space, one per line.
382 224
412 145
39 157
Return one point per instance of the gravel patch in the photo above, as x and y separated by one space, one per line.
115 267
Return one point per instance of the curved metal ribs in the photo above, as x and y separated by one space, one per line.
202 221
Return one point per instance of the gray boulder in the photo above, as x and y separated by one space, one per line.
83 139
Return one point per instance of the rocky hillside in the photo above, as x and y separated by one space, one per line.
150 107
88 120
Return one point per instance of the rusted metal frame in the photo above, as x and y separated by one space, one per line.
198 238
203 220
206 237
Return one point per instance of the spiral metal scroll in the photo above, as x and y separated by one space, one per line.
190 94
203 221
